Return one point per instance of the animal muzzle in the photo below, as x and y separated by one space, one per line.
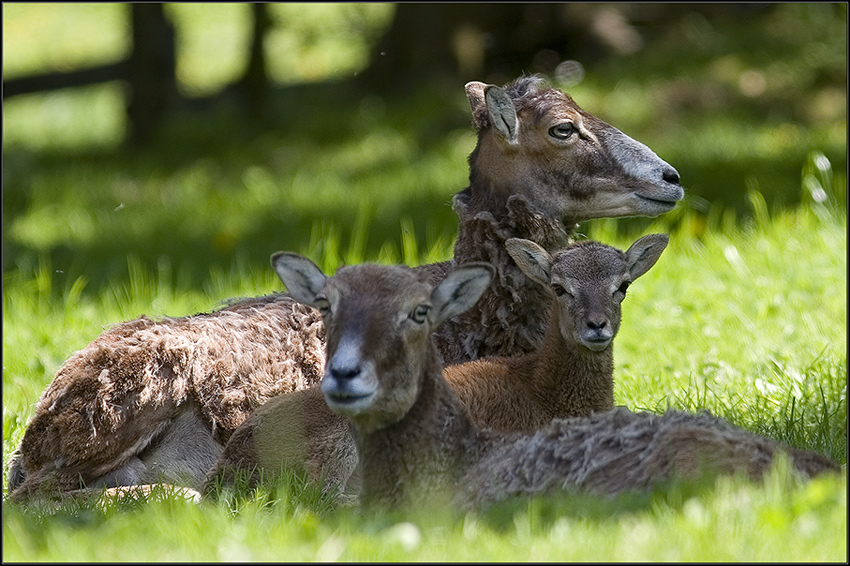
596 335
349 383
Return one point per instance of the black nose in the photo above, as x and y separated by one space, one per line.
596 324
671 176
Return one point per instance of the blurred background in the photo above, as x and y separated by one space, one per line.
207 136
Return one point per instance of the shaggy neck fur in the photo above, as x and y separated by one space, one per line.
512 315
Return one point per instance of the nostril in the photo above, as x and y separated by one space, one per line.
671 176
596 324
345 372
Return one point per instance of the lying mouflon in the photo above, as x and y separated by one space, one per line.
415 442
570 374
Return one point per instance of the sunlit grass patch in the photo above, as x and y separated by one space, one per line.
92 117
729 519
787 386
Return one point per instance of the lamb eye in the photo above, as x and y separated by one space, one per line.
323 306
420 313
562 131
559 289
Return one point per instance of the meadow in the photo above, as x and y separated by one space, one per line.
744 315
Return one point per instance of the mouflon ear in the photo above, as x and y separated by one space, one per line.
502 113
459 290
475 94
531 259
644 253
303 278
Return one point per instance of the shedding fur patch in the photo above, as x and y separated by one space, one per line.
138 374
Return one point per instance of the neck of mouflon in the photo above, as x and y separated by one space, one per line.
511 317
419 458
570 379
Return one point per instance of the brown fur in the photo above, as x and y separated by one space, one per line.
524 393
620 450
562 378
523 187
295 432
110 401
416 444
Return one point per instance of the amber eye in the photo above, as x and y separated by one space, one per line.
420 313
562 131
559 289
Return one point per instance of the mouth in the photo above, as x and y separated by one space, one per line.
656 205
658 201
596 343
349 404
342 398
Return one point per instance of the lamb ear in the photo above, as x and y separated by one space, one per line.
644 253
502 113
531 258
475 94
459 290
303 278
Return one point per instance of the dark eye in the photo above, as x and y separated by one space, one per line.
323 305
559 289
562 131
624 287
420 313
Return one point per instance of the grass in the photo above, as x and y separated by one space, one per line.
748 335
745 313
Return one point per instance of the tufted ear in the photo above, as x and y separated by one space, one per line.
459 290
502 113
531 259
644 253
303 278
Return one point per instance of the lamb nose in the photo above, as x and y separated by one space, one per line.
345 372
671 176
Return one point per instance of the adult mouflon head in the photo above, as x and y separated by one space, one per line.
537 142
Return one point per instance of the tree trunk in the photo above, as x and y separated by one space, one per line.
429 44
151 70
456 43
254 84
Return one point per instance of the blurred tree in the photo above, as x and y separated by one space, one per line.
254 82
457 42
450 42
150 70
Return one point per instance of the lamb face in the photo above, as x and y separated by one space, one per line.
589 281
379 321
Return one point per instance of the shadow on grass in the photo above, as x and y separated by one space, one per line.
302 128
219 140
